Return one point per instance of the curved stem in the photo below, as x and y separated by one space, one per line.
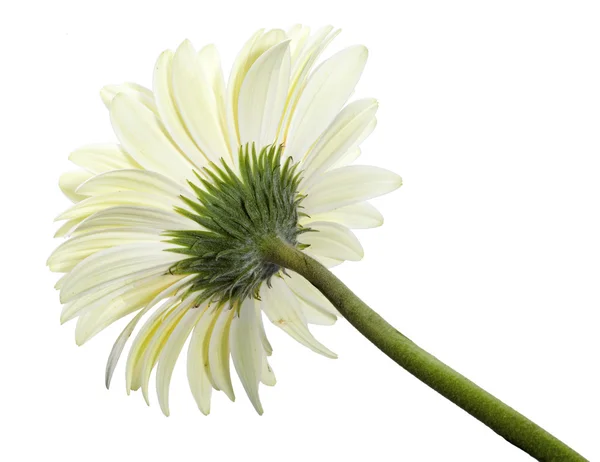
502 419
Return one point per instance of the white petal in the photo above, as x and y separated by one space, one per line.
119 344
332 240
163 95
246 351
196 103
210 63
268 349
115 263
302 62
135 216
140 93
130 298
132 180
254 47
158 341
71 252
349 185
267 376
326 92
343 134
361 215
198 379
143 136
70 181
309 294
170 353
263 95
67 227
218 353
99 158
353 153
95 204
283 309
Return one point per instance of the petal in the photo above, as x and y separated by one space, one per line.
218 353
163 95
134 216
95 204
170 353
343 134
309 294
283 309
246 351
361 215
142 181
198 378
70 181
114 263
263 95
254 47
119 344
71 252
144 138
332 240
99 158
349 185
196 103
140 93
132 298
327 90
302 63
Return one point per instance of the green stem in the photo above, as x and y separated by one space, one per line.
502 419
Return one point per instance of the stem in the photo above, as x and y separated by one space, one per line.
502 419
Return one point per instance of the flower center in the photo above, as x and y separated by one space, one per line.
238 212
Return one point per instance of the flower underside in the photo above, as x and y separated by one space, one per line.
239 213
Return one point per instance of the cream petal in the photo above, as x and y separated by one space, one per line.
326 91
158 341
100 158
210 63
142 181
94 204
139 92
68 227
71 252
302 62
267 376
298 34
130 298
283 309
218 353
250 52
70 181
333 240
134 216
144 138
361 215
343 134
349 185
263 95
309 294
196 103
267 348
114 263
170 353
163 95
198 378
119 345
246 351
135 358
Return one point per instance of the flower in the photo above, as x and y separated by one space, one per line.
168 223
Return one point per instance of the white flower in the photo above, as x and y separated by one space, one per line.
132 204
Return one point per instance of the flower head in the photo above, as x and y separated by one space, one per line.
169 223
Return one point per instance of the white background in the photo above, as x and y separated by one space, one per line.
489 258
